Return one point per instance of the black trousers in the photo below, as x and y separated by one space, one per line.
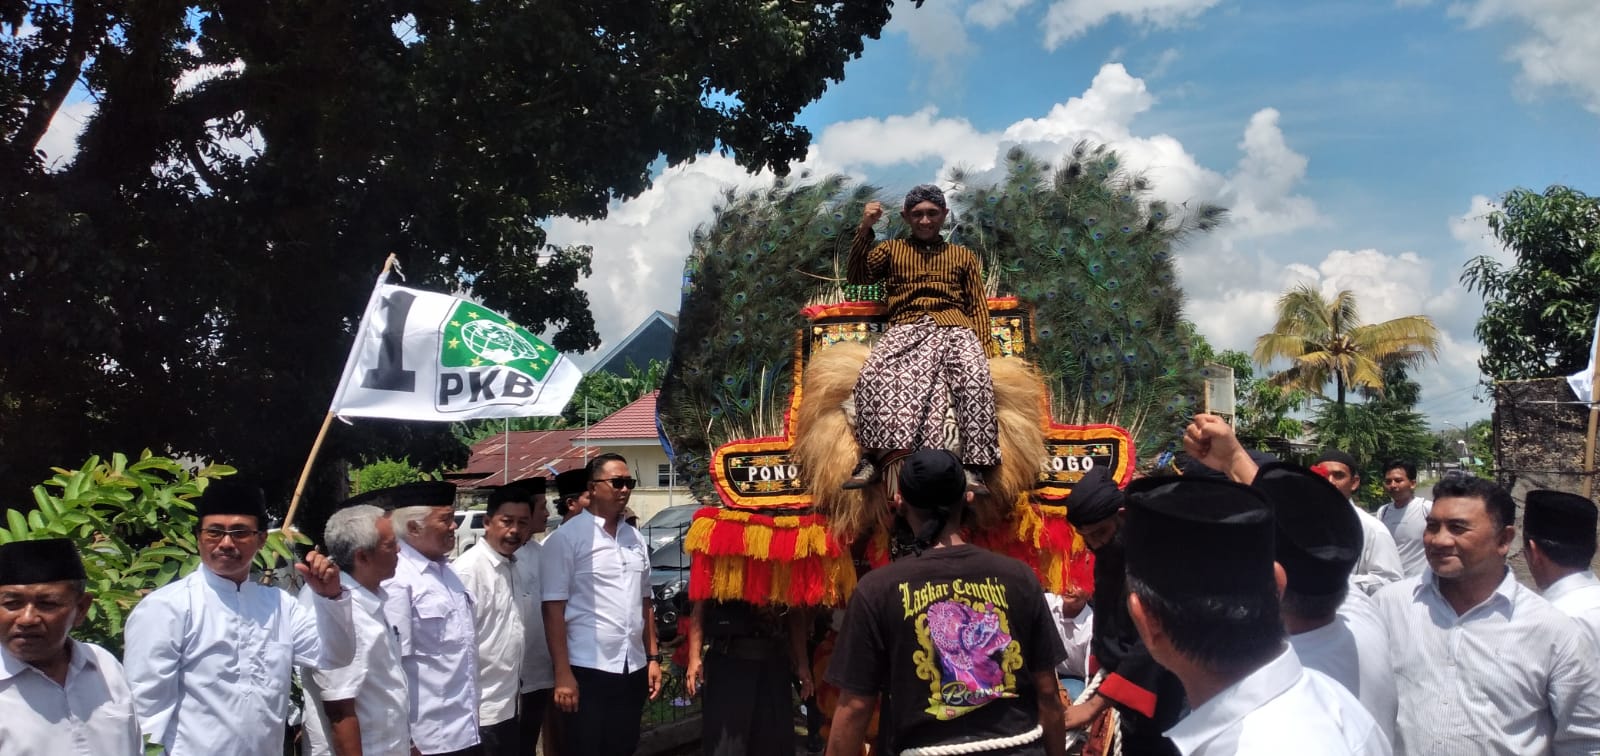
609 707
530 717
503 739
748 706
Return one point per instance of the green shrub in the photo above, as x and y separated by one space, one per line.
133 524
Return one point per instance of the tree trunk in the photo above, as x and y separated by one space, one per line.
1338 382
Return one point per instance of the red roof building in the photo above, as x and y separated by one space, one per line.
527 454
625 427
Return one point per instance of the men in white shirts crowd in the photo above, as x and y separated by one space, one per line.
208 657
1405 515
1332 628
1482 664
58 696
538 673
1558 542
598 618
432 613
1379 564
360 708
488 570
1204 596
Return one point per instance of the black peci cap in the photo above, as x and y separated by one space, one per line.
1195 537
423 493
1319 534
1094 498
1559 517
230 496
42 561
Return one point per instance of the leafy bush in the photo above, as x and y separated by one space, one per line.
133 523
383 474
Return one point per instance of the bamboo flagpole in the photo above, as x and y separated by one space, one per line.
327 420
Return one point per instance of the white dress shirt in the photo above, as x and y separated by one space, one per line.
208 661
1353 650
538 671
490 580
373 679
605 582
432 614
1510 676
91 715
1380 560
1281 708
1406 525
1578 596
1075 633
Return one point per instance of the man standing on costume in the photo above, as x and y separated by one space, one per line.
957 640
432 614
58 696
360 708
208 657
599 620
933 361
1149 699
1558 532
1203 591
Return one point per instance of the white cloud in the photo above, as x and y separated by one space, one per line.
60 140
1068 19
990 14
936 34
1558 51
1163 63
896 139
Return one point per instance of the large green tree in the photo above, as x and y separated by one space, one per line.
189 279
1383 428
1539 312
1326 342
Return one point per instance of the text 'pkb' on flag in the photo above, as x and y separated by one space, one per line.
420 355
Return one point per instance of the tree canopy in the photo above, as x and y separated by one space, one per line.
1326 341
1539 312
189 279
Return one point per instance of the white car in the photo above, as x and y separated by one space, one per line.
469 528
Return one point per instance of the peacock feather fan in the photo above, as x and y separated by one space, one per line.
764 256
1090 251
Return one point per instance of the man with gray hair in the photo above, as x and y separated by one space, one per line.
932 363
360 708
432 615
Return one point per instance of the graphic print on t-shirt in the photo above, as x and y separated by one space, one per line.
967 654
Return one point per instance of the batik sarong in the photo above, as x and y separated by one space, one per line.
917 375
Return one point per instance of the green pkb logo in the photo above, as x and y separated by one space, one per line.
485 359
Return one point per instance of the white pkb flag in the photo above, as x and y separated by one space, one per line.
420 355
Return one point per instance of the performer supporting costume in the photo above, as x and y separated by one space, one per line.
934 356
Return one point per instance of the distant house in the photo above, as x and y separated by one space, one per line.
631 432
651 340
524 454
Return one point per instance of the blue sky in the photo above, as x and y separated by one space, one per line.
1359 144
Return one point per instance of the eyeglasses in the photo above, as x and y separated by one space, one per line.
239 535
618 482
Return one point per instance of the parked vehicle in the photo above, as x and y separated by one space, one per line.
469 528
669 587
667 526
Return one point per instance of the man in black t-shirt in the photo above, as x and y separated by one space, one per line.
958 640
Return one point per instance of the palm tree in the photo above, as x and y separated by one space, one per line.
1326 341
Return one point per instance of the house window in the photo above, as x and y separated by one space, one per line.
664 476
